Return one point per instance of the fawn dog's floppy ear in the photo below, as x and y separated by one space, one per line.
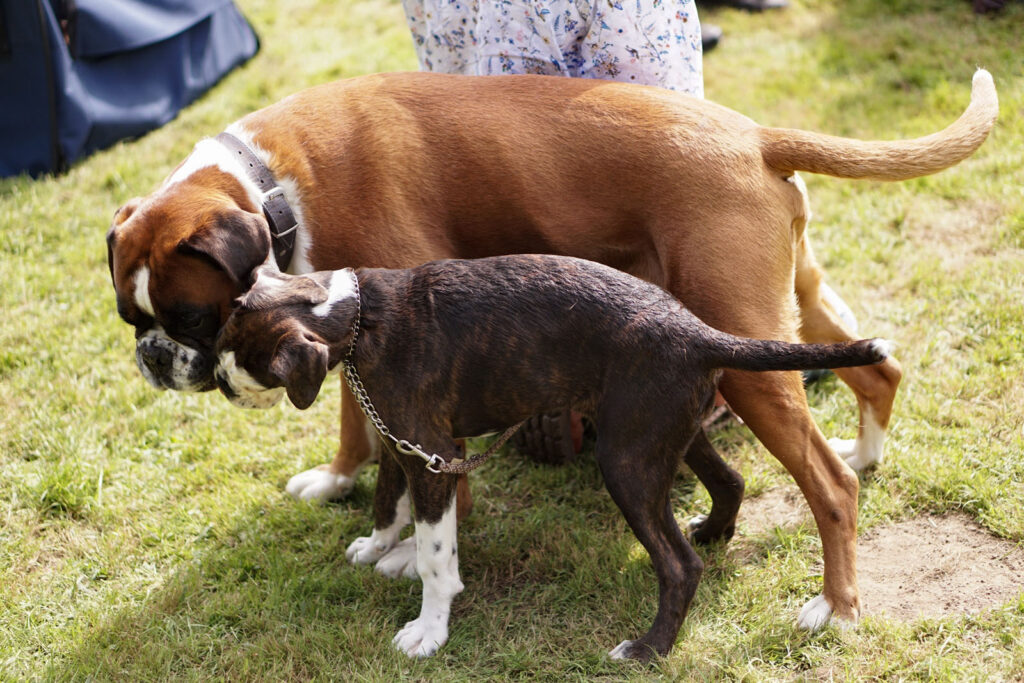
237 242
300 364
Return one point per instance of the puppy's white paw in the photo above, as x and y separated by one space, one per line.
815 615
691 526
421 639
366 550
620 650
319 484
400 560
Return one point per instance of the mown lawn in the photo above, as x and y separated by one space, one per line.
146 535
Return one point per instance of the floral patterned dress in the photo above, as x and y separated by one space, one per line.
652 42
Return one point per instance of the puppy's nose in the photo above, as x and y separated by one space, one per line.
224 386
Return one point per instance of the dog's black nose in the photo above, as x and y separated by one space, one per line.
157 358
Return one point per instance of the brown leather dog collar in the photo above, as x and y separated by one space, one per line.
275 207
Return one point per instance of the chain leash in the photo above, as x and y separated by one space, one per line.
434 462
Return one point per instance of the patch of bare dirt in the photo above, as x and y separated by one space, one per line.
783 506
926 566
932 566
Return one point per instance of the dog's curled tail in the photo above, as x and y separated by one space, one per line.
789 150
738 353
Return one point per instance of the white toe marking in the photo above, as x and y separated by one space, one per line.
400 560
691 526
369 549
437 561
341 288
321 485
867 449
815 615
620 650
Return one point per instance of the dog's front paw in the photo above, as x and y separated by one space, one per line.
421 639
700 532
319 484
366 550
632 649
400 560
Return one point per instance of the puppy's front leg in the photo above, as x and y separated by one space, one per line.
437 562
390 513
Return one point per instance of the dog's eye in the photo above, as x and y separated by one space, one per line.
190 322
194 322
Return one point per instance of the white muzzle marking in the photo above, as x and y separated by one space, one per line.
248 393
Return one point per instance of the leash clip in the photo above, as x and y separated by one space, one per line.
406 448
434 461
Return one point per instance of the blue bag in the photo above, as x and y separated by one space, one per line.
76 76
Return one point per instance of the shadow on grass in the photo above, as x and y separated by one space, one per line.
552 574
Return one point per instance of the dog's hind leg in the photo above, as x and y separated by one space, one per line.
774 406
639 476
748 291
724 485
873 385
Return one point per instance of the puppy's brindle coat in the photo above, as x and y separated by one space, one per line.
461 348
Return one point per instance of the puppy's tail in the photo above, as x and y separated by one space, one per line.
797 150
738 353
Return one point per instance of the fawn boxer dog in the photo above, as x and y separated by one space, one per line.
398 169
458 348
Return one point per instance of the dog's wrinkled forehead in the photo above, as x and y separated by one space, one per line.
271 288
320 291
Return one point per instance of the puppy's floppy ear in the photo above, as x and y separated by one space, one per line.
301 365
272 288
237 243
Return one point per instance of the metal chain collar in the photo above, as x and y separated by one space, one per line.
434 462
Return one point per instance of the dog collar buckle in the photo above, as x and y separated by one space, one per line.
280 217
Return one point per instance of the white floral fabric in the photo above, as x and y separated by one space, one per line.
652 42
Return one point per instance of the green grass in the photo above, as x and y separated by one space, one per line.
145 535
